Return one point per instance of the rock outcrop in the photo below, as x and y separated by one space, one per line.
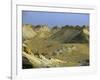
40 61
28 32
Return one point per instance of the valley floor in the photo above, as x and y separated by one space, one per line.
71 54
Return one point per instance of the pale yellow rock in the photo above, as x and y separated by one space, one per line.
86 31
28 32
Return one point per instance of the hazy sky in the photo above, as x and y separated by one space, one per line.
53 19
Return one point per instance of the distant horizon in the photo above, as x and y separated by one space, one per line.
56 25
55 18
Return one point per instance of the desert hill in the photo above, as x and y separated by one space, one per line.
71 35
62 35
69 45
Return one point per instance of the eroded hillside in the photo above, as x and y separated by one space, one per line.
57 47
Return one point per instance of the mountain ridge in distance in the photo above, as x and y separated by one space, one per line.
69 35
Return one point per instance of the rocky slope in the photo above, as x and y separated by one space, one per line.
57 47
71 36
